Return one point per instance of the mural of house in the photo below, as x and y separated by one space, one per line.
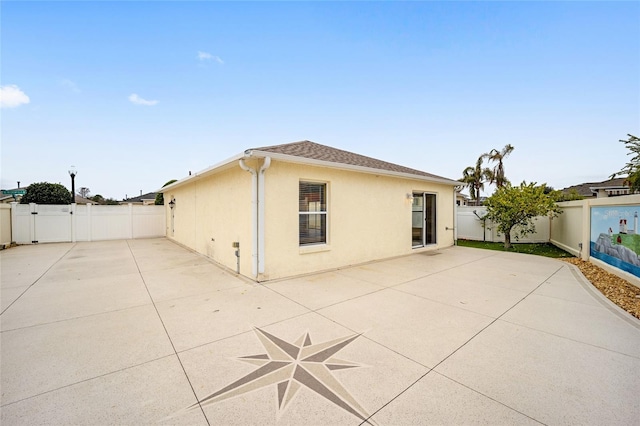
298 208
623 226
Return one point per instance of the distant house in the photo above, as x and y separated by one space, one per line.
8 198
608 188
303 207
479 202
143 199
462 199
82 200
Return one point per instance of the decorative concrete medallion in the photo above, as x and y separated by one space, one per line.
291 366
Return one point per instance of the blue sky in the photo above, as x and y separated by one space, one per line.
136 93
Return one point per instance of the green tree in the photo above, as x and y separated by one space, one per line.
498 176
46 193
632 169
160 196
475 177
98 199
572 195
512 209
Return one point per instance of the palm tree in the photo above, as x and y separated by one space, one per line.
475 178
496 156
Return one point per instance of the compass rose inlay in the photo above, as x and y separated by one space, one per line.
291 366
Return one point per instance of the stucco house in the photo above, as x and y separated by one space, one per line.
608 188
147 199
302 207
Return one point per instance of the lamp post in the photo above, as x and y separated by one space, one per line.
73 172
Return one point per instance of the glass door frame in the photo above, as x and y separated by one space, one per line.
428 219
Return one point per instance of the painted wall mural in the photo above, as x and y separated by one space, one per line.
615 237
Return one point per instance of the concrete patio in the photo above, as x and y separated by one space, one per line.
146 332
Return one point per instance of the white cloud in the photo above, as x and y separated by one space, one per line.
206 56
135 99
11 96
203 56
70 85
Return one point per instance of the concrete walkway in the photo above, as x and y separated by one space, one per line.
146 332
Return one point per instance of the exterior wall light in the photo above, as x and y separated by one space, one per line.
410 197
172 203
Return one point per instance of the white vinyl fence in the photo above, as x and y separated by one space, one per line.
470 227
40 223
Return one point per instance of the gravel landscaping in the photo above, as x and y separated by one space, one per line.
618 290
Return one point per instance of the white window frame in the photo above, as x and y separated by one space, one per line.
308 213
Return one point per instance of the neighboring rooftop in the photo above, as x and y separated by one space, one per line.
141 198
8 198
590 189
316 151
82 200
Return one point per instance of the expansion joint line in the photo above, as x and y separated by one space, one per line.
38 279
168 336
462 346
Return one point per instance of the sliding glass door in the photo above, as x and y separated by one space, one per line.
423 219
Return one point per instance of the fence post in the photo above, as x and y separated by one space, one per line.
14 221
73 221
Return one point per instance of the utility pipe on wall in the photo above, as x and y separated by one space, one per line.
261 198
254 217
455 214
454 217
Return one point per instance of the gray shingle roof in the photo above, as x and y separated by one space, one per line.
140 198
584 189
316 151
81 200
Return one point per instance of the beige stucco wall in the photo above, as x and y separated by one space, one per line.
5 224
211 213
369 218
567 228
574 227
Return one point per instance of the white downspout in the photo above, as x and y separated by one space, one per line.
455 217
254 217
261 198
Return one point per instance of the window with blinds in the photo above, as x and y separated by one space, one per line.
313 213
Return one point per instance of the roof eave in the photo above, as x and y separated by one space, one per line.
301 160
609 188
350 167
206 172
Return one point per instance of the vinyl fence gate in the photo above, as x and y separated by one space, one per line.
41 223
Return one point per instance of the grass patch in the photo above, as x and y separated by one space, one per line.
543 249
